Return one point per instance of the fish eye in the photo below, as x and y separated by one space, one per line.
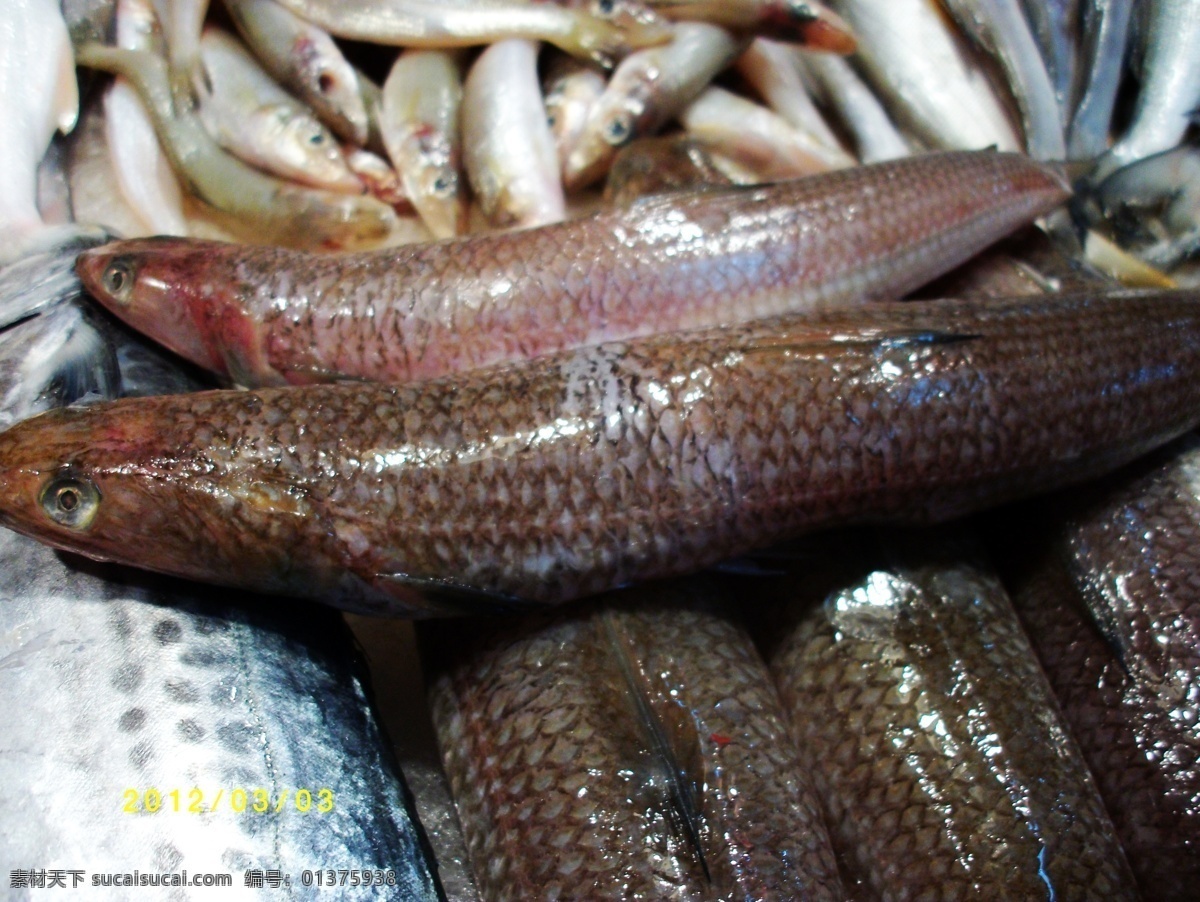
70 501
605 8
444 185
118 279
619 130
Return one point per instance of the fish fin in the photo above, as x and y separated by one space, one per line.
63 360
670 741
447 596
745 566
44 275
824 341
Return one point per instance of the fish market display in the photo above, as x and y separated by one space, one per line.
1111 600
583 471
943 764
269 316
552 477
634 750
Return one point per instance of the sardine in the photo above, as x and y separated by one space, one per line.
582 471
760 141
772 70
256 120
254 205
914 60
1106 33
182 21
647 89
420 124
1170 90
570 89
944 765
38 96
465 23
857 109
635 749
1000 29
1108 592
1055 25
306 61
508 149
142 169
681 261
797 21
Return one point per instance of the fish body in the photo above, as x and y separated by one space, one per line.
1000 28
759 140
255 119
38 96
465 23
306 61
944 765
859 111
1170 91
508 148
419 120
254 205
644 735
578 472
1111 601
647 89
680 261
810 24
142 169
1105 37
915 61
136 709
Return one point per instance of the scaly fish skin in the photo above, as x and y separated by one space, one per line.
1110 596
269 316
645 736
944 766
582 471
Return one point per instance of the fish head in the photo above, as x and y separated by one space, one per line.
113 482
161 287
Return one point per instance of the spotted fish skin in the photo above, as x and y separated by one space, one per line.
557 784
686 260
944 765
1111 600
581 472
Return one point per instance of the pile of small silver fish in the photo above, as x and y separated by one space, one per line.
515 303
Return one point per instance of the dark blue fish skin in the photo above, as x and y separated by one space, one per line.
112 688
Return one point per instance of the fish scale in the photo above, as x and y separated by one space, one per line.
679 261
943 764
668 453
544 747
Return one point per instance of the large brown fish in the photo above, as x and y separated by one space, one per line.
688 260
943 763
635 750
1112 603
586 470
